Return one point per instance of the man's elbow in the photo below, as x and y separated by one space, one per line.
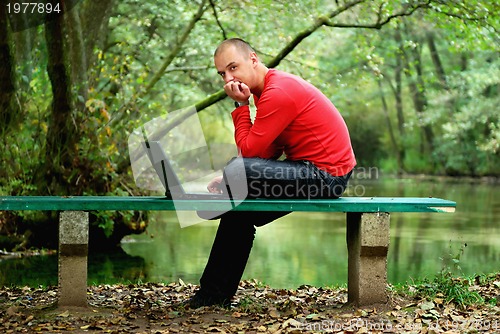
257 152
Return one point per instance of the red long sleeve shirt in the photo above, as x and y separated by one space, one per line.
295 118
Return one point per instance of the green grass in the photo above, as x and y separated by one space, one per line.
447 285
453 289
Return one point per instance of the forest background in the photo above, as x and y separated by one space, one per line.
418 83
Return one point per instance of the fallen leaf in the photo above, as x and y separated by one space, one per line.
65 314
438 301
274 314
427 305
313 317
292 323
432 314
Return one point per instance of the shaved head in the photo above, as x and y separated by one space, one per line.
243 47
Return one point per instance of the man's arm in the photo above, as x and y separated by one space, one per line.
275 111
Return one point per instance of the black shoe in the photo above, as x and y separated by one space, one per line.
201 299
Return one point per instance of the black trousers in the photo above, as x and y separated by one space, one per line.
235 235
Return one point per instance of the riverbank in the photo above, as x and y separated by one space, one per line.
157 308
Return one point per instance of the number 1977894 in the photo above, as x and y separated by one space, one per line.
33 8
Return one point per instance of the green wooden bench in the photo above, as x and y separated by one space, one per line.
367 232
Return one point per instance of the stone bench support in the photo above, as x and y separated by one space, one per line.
367 245
73 251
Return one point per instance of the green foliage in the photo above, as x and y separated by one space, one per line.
105 222
470 134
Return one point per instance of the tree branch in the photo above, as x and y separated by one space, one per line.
224 35
465 18
380 23
320 21
175 50
170 57
186 68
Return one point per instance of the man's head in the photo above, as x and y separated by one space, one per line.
238 43
236 60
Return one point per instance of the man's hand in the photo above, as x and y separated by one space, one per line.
215 186
238 91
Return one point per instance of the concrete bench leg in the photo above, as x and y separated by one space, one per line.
73 250
367 245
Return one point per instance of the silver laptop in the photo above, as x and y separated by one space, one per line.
168 177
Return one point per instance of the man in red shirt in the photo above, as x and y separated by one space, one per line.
293 119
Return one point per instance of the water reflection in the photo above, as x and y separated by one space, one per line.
305 248
116 267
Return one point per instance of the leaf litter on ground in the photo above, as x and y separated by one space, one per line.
159 308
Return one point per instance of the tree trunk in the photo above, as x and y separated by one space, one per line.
389 127
399 84
8 107
413 61
23 41
77 55
398 96
464 58
436 60
63 132
94 17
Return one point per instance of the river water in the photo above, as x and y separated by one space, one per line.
307 248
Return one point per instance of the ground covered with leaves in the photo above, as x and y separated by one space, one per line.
159 308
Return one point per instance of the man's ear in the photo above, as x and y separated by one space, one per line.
254 58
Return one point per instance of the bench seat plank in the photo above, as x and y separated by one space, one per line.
344 204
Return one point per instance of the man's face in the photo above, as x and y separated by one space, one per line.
234 65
